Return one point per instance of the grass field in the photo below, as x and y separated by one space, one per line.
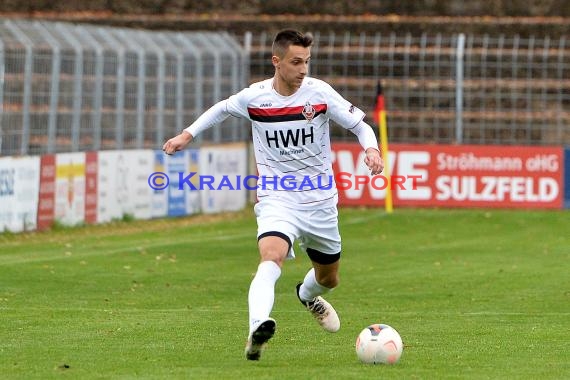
475 294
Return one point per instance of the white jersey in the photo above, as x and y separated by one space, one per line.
291 139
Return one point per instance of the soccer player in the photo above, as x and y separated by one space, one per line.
290 115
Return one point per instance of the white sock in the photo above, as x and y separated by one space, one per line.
311 288
262 292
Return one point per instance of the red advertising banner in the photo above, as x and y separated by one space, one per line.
91 187
454 176
46 200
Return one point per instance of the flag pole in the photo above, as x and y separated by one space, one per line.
383 129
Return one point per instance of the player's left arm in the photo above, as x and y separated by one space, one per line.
374 161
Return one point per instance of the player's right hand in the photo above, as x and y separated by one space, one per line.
177 143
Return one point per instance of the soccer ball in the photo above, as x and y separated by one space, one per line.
379 344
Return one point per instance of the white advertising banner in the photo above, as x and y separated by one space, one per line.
122 184
223 169
193 203
19 189
173 196
155 182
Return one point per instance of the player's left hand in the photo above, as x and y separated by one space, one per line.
374 161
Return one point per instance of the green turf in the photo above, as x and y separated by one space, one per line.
475 294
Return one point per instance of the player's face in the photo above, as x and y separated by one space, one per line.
293 67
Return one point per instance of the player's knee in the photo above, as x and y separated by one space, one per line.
275 255
273 248
277 260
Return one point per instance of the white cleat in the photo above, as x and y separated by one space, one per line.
323 312
258 338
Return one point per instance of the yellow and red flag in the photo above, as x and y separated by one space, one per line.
380 119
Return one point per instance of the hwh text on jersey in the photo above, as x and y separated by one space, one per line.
289 137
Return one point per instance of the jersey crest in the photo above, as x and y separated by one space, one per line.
308 112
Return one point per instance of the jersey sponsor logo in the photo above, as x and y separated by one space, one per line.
286 138
283 114
265 105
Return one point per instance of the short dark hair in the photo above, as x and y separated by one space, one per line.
288 37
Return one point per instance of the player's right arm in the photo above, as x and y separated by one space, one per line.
213 116
178 142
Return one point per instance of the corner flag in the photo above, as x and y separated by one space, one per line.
380 118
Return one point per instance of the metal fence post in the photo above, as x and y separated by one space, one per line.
544 95
361 47
120 89
245 77
315 50
559 95
406 71
514 68
483 77
233 49
179 53
77 90
216 81
141 78
98 85
392 51
459 88
27 95
197 55
54 86
345 59
2 69
159 135
498 74
529 78
376 56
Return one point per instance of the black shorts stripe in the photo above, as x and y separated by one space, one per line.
322 258
277 234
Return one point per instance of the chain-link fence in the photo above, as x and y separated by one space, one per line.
68 88
465 89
